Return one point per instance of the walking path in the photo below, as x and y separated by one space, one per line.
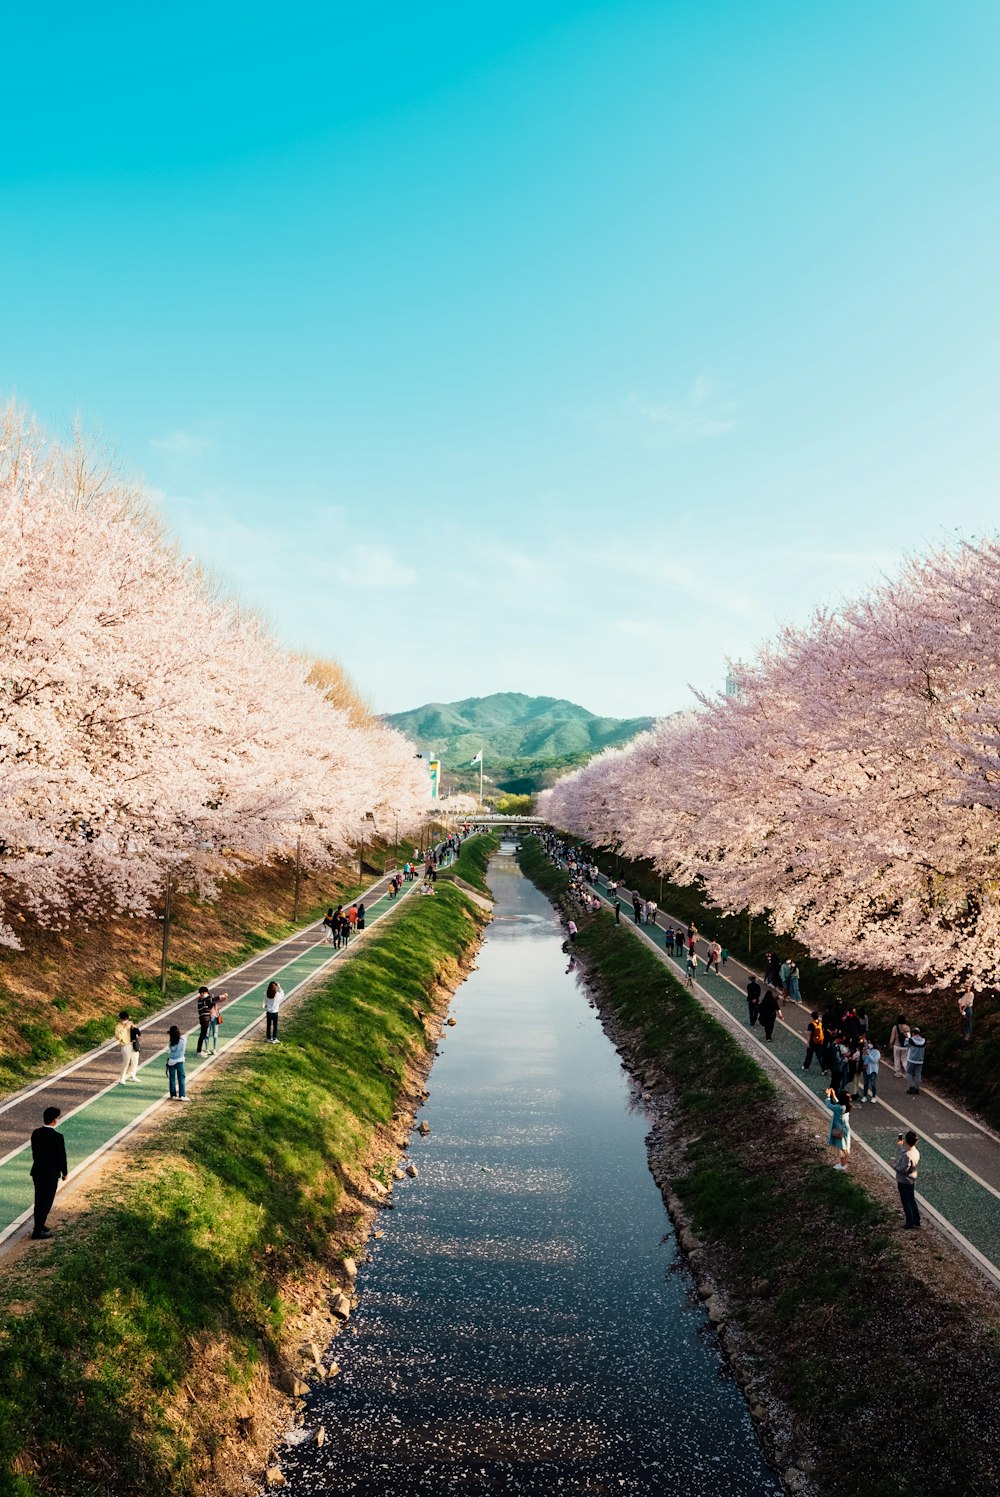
959 1157
97 1111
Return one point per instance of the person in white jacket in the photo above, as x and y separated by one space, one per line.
272 1003
127 1039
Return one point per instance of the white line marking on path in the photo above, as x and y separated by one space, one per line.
928 1091
107 1045
80 1170
227 1043
947 1228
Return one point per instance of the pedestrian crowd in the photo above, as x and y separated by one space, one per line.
48 1146
837 1038
341 924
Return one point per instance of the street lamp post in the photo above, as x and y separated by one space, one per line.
298 876
166 934
369 816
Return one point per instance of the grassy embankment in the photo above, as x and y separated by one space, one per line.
133 1344
971 1071
868 1357
59 996
473 860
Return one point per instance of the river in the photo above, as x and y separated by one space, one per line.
520 1327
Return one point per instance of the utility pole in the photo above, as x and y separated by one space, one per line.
298 876
749 933
369 816
166 935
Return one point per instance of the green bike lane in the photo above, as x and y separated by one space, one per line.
116 1109
963 1200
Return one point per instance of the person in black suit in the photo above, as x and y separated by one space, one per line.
753 999
48 1163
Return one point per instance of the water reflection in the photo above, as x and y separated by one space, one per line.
519 1329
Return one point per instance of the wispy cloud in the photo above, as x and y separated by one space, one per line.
254 555
375 567
182 443
649 572
694 417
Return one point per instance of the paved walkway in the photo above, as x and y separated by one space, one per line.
959 1157
97 1110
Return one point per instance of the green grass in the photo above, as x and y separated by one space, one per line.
473 860
176 1274
866 1357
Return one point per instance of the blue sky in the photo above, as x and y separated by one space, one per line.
555 347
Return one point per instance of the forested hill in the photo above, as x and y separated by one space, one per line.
509 725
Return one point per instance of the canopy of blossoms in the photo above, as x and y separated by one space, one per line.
850 786
148 723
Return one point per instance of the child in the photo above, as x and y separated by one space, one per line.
176 1047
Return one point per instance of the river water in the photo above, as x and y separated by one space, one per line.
519 1328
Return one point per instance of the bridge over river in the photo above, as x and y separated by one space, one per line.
495 821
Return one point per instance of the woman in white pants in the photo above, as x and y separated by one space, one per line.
129 1052
899 1041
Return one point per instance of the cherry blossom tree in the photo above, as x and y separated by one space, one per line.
146 722
850 787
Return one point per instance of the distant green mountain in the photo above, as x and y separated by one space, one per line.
522 737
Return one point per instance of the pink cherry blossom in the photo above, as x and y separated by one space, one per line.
852 786
146 721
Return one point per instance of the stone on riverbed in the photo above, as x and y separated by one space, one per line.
411 1170
716 1314
289 1382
